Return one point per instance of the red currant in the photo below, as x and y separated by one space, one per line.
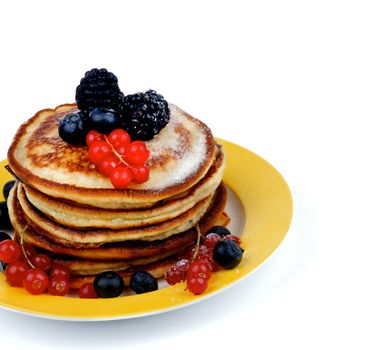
107 164
59 270
29 250
93 136
9 251
42 261
87 291
121 177
137 152
233 238
98 150
196 284
59 286
15 272
36 281
121 149
119 137
200 268
211 240
178 272
140 173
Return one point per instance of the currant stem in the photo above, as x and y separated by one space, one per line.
115 152
23 248
197 243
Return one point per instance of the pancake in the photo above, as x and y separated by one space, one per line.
74 215
120 250
181 155
94 237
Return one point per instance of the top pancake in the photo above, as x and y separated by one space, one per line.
181 155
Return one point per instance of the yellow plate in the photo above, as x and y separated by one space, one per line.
267 203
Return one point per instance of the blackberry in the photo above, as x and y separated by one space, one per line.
145 114
99 89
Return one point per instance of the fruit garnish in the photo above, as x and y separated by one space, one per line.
145 114
118 158
5 222
211 240
143 282
219 230
36 281
99 89
9 251
108 284
103 120
4 236
59 286
233 238
42 261
87 291
58 270
227 254
7 188
178 272
15 272
72 129
196 284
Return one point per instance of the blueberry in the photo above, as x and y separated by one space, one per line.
219 230
3 265
108 284
227 254
143 282
4 236
7 188
103 121
4 216
72 129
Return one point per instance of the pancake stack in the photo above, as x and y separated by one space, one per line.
65 208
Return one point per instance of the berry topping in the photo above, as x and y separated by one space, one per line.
107 164
103 120
99 88
42 261
9 251
72 129
121 177
143 282
108 284
4 216
15 272
227 254
59 286
98 150
87 291
219 230
36 281
233 238
200 268
178 272
58 271
93 136
137 153
7 188
145 114
211 240
119 137
140 173
196 284
4 236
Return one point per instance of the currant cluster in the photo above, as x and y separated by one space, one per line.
117 158
35 272
220 249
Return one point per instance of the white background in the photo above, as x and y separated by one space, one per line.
305 84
